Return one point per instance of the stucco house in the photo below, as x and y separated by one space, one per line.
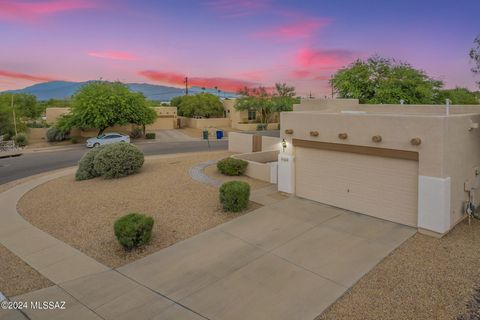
418 165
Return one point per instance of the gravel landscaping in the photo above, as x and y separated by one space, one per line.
17 277
425 278
82 213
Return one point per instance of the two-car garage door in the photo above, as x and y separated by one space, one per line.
382 187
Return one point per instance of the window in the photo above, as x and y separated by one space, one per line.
252 115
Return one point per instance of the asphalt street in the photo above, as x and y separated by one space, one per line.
37 162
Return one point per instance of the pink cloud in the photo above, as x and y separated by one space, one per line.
300 29
300 74
114 55
174 78
238 8
24 76
254 75
29 11
322 59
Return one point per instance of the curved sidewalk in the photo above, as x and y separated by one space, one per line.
197 173
51 257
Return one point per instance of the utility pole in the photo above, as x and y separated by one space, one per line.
186 86
14 117
331 84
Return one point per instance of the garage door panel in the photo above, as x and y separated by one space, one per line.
377 186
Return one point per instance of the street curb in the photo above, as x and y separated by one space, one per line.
11 154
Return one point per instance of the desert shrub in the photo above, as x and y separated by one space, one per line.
261 126
133 230
55 134
86 169
234 195
136 133
150 135
21 139
7 136
232 167
74 140
118 160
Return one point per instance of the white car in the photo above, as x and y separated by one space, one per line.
107 138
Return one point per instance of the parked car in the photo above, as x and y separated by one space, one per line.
106 138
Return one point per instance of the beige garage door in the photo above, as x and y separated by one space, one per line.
378 186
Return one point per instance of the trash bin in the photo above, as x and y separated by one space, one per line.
205 134
219 134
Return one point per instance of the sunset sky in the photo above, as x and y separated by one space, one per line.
230 43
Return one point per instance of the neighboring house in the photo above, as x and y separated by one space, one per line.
417 165
166 119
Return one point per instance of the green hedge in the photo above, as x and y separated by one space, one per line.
21 139
150 135
55 134
133 230
86 169
118 160
234 195
232 167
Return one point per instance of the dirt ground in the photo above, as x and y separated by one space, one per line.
212 172
82 213
17 277
425 278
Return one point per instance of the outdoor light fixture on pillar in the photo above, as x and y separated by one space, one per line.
284 145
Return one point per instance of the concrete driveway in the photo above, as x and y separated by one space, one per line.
290 259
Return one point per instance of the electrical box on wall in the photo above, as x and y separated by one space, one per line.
286 173
473 180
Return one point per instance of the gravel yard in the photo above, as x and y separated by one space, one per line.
81 213
425 278
17 277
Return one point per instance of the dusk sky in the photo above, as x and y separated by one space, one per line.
230 43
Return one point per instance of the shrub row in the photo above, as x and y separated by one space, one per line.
110 161
232 167
55 134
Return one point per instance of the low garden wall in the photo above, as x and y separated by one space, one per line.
245 143
261 165
204 122
253 126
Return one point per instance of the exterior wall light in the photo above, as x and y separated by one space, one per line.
289 131
377 138
416 141
342 136
284 144
314 133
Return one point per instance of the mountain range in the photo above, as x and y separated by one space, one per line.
64 90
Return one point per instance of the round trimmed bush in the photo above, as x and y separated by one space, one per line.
234 195
21 139
118 160
86 169
232 167
133 230
55 134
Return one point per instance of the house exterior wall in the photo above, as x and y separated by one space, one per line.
449 153
52 114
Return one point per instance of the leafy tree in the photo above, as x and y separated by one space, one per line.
475 56
266 103
204 105
284 91
103 104
25 108
381 80
458 96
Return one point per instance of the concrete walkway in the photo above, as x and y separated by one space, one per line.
290 259
197 173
